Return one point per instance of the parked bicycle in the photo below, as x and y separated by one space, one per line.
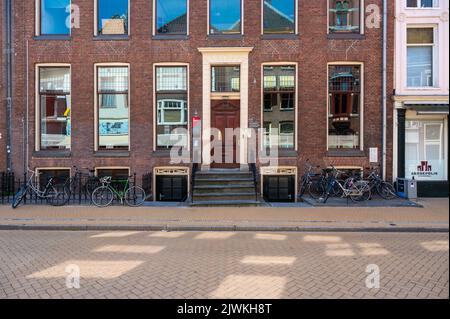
356 190
83 183
384 189
311 182
55 194
104 195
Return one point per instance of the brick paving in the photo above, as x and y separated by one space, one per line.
223 264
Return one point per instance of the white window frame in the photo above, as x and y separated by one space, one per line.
280 34
432 142
96 106
38 31
209 18
155 103
37 110
155 27
434 56
419 7
361 111
110 35
362 21
296 112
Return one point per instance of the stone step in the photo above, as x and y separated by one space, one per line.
223 174
223 189
223 181
228 203
224 197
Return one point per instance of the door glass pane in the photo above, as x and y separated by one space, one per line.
113 17
225 17
54 17
171 17
279 16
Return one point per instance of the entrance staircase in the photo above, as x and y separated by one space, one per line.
224 187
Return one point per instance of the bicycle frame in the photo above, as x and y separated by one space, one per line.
35 188
118 193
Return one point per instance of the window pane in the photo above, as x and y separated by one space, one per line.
279 16
344 16
172 114
412 3
55 122
54 17
420 35
113 79
113 16
279 106
420 66
225 17
60 176
171 17
171 78
113 122
225 79
54 80
344 107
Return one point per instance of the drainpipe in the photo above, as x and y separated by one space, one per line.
9 101
384 92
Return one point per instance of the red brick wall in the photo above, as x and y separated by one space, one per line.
312 50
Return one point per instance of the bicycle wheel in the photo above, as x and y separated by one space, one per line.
316 189
386 191
360 191
102 196
18 197
58 195
135 196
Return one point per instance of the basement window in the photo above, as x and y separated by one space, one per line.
60 176
279 188
171 188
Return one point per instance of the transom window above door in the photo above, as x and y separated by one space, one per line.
225 17
422 3
225 79
112 17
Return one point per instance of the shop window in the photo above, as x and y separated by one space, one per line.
60 176
171 188
344 16
344 122
112 17
225 79
279 105
54 16
422 3
425 150
279 16
172 106
171 17
113 112
420 57
224 17
279 188
54 108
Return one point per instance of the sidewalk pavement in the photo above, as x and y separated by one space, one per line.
432 217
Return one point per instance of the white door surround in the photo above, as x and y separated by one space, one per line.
224 56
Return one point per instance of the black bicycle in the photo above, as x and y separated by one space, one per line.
311 182
55 194
384 189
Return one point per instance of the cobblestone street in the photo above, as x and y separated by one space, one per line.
33 264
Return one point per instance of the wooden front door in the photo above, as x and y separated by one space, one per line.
226 114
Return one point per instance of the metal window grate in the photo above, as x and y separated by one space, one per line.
344 78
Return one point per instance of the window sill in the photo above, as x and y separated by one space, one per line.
279 36
52 154
346 36
112 37
171 37
345 153
53 37
112 153
225 36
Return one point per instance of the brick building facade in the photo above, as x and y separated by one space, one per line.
311 49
